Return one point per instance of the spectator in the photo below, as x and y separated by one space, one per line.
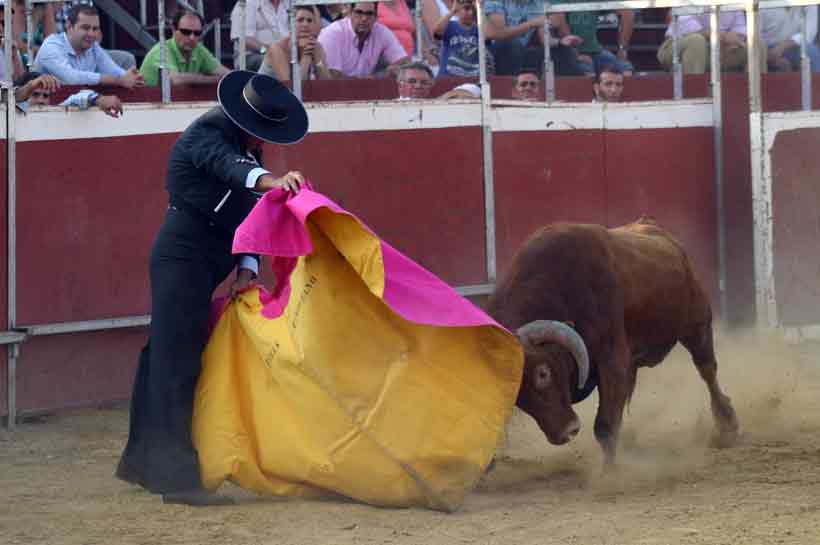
525 86
266 21
76 58
415 81
516 28
459 38
37 89
395 15
309 51
16 59
124 59
608 85
42 24
583 27
693 43
34 89
780 28
331 13
188 61
431 12
354 45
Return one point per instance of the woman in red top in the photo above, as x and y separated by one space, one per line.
395 15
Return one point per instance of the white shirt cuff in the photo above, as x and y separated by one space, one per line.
250 181
250 263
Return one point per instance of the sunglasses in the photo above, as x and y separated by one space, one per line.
188 32
41 94
466 3
422 82
362 13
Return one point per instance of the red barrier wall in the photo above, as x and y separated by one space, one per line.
87 217
77 370
796 212
94 205
421 191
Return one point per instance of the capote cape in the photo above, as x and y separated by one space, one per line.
360 374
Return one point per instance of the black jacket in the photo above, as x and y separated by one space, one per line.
207 171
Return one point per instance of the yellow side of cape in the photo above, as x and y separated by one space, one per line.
341 395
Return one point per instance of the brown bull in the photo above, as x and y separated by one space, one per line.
629 295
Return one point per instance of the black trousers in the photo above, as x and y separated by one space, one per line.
189 259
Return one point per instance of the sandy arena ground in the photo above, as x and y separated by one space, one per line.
56 484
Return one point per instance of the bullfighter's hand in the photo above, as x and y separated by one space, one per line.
244 279
292 181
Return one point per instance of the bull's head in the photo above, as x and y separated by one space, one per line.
553 354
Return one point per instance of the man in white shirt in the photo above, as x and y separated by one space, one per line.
780 29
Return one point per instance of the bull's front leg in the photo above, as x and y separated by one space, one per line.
615 385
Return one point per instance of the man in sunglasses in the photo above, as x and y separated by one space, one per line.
35 89
355 46
188 61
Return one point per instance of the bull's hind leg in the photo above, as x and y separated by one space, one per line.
701 346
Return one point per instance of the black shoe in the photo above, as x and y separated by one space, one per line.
196 497
126 473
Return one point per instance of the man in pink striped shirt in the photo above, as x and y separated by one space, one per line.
693 40
355 45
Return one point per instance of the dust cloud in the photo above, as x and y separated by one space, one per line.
668 425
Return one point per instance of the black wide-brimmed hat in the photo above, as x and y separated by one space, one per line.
263 107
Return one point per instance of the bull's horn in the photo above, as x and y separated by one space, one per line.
541 331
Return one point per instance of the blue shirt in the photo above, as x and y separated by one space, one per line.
459 51
516 12
58 58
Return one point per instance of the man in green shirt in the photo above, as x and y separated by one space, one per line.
592 56
188 61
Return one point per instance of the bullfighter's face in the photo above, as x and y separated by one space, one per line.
545 391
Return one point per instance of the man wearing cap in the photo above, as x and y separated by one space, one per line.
213 174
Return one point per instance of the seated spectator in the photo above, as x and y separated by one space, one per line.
354 45
18 69
415 80
459 38
76 58
188 61
309 50
395 15
331 13
780 29
516 28
35 89
123 59
525 86
266 21
42 24
583 26
693 43
608 85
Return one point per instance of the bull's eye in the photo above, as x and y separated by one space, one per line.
542 377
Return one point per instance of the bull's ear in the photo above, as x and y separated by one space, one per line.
543 376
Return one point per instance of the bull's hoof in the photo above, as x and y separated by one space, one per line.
724 439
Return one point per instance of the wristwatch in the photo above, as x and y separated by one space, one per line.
262 50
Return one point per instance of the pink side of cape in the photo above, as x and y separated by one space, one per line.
276 228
